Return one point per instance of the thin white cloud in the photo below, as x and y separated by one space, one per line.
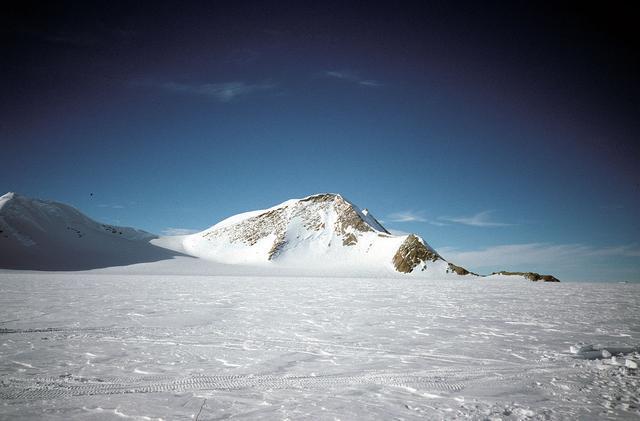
407 216
352 77
368 82
111 206
612 207
413 216
535 253
222 92
481 219
178 231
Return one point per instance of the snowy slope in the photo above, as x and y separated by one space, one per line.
38 234
316 234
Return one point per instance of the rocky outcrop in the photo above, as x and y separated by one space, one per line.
459 270
348 216
255 228
411 253
531 276
350 239
277 247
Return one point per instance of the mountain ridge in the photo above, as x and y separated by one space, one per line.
319 233
312 228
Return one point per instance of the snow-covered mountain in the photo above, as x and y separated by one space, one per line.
44 235
323 234
315 233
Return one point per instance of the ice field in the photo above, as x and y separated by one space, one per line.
100 345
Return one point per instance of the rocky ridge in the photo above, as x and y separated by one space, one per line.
323 222
531 276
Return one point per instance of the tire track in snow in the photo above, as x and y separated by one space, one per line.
48 389
79 330
445 380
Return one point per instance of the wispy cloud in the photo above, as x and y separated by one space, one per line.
413 216
407 216
535 253
223 92
352 77
481 219
111 206
178 231
612 207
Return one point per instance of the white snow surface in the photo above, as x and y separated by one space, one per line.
119 344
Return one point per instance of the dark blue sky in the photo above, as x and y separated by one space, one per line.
506 135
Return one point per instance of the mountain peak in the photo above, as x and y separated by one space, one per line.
324 218
323 197
323 231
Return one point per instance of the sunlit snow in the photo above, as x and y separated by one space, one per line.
109 344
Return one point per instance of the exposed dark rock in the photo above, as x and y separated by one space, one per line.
255 228
347 214
111 229
459 270
277 246
411 253
532 276
350 239
349 217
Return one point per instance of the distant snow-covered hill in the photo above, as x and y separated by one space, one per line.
317 233
45 235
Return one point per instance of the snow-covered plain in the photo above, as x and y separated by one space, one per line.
117 345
